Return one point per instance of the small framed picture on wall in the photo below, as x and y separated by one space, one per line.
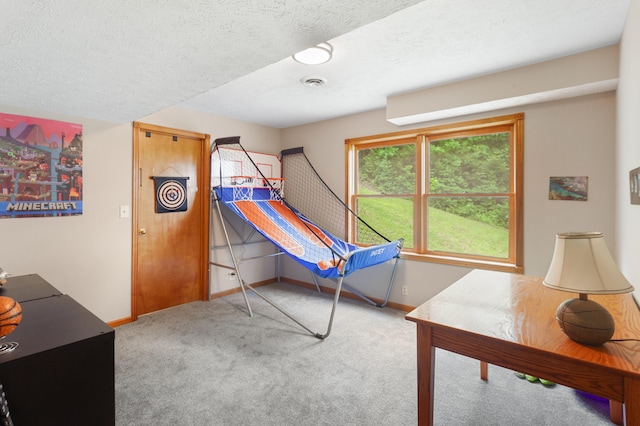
573 188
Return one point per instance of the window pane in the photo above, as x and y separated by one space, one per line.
391 216
470 165
387 170
469 225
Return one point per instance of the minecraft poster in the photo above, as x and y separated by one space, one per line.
40 167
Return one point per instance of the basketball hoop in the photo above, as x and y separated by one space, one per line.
276 187
241 193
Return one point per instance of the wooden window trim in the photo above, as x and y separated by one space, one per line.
515 124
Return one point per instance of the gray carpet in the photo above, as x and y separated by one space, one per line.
209 363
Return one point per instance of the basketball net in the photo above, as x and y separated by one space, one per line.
276 187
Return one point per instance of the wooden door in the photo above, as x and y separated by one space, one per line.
170 250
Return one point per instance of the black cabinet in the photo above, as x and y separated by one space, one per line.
62 371
28 287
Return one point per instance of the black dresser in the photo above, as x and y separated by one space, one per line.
62 371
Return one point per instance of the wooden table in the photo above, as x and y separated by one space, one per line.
509 320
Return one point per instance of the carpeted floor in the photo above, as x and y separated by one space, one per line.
209 363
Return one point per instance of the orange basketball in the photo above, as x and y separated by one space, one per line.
326 264
10 315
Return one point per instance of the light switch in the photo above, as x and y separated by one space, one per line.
124 212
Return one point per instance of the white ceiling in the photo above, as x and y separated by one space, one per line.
119 60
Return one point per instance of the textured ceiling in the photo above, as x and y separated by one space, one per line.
122 60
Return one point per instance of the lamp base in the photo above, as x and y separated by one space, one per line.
585 321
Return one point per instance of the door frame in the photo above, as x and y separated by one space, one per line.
203 194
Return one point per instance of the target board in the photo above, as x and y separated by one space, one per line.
171 194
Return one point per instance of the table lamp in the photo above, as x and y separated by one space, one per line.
582 264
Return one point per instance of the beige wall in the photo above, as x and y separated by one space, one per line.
585 73
628 147
86 256
572 137
89 256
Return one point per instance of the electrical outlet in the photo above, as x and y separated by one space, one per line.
232 276
405 290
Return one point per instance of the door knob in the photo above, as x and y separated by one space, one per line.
142 231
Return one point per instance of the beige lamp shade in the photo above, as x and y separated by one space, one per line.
582 264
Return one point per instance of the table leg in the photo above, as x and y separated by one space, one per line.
615 412
631 401
426 375
484 370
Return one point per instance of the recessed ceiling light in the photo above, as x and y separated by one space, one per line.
315 55
313 81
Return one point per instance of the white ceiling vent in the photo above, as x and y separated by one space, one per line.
313 81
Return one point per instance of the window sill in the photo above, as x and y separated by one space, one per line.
470 263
